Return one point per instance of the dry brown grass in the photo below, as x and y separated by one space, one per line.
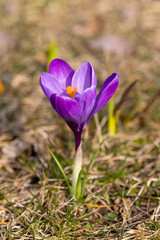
122 196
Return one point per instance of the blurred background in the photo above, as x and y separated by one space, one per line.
115 36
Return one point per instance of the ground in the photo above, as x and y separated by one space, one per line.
122 193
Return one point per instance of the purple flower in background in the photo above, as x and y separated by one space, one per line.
73 93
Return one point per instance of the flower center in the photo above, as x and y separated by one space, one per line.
71 91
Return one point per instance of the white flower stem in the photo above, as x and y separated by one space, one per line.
77 168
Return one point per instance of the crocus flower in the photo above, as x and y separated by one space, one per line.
73 93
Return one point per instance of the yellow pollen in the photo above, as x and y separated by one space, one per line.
71 91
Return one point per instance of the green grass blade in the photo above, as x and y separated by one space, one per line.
61 169
52 52
10 228
111 118
88 168
78 186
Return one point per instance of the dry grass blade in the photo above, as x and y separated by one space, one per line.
125 96
150 104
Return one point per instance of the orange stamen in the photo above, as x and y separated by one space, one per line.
71 91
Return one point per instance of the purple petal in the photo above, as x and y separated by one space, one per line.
86 101
50 84
108 88
68 109
84 77
62 71
54 99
